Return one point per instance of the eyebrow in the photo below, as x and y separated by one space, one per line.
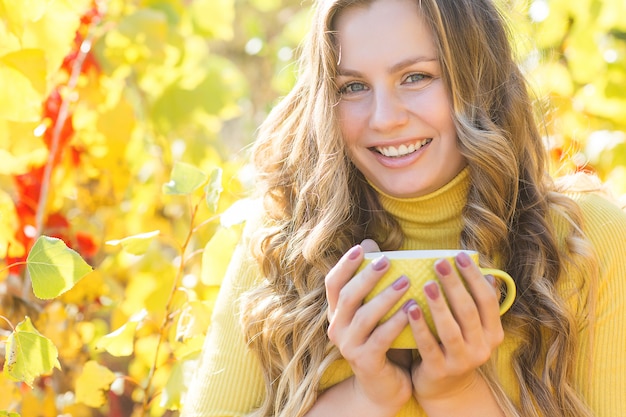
392 69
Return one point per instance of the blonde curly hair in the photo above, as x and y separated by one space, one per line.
318 205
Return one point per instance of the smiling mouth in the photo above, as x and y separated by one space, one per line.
402 150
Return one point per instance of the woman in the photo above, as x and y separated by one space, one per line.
410 128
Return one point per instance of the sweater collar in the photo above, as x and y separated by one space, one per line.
432 221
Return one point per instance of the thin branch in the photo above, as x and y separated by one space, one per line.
62 117
147 398
8 322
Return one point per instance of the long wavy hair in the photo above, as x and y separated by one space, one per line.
318 205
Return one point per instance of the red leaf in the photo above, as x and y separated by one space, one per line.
87 246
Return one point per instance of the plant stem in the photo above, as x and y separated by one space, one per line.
64 112
12 265
8 322
168 307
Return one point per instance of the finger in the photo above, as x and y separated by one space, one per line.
447 326
427 344
371 313
361 321
340 274
384 334
483 293
460 301
496 286
370 246
350 297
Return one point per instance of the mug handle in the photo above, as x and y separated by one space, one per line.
511 289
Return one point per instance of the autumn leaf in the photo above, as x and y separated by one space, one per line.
182 372
121 341
217 254
239 212
22 85
137 244
184 179
193 320
9 245
54 268
214 189
92 383
29 354
214 17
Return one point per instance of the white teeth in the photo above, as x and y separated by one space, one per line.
402 150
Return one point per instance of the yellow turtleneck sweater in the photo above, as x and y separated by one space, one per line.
229 382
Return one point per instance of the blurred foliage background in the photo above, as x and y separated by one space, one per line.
103 102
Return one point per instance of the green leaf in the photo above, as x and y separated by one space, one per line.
54 268
184 179
91 384
29 354
214 189
137 244
8 414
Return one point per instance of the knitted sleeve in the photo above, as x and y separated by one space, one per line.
601 368
228 381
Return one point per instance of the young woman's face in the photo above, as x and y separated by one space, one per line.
394 111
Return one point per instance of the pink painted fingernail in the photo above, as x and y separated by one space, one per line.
443 267
401 283
354 252
380 263
491 279
432 290
415 312
408 305
463 259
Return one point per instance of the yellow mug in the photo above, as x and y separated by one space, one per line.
418 266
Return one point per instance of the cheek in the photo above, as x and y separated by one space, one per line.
434 109
349 123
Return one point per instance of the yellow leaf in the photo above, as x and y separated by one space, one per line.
20 148
137 244
214 17
178 382
39 403
10 393
18 13
92 383
55 30
60 327
8 226
19 99
193 320
119 342
191 347
31 63
217 254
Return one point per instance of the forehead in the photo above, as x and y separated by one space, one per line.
382 31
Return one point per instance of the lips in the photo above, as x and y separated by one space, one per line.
401 150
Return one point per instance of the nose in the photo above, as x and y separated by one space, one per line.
388 111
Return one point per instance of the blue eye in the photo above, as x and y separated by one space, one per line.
415 78
353 87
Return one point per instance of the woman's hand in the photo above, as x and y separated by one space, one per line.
381 383
469 331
